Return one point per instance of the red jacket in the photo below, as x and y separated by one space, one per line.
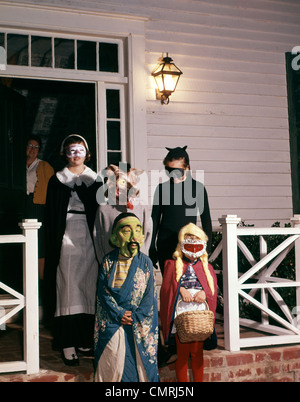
169 293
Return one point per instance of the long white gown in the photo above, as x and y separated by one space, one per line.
78 268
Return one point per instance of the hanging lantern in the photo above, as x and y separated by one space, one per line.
166 76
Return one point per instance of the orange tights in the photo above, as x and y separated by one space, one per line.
184 350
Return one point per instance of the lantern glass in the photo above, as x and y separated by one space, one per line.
166 76
159 82
170 82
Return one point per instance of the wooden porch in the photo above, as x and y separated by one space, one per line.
30 353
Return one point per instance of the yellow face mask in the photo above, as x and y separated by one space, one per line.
128 236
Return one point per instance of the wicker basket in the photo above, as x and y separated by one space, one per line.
192 326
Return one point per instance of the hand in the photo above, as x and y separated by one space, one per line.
127 318
200 297
186 296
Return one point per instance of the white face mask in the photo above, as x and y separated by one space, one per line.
76 150
193 248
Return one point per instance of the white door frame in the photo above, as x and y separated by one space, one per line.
25 18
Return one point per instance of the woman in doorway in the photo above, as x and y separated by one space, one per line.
38 174
71 267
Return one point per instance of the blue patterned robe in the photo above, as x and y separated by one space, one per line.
123 352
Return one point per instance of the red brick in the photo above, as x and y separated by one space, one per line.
274 369
240 373
45 378
217 362
68 377
291 366
275 356
269 370
293 353
239 359
216 377
206 377
260 371
260 357
206 362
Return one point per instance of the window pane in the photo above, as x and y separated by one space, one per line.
113 135
113 158
113 103
41 51
17 50
86 55
108 57
2 52
64 53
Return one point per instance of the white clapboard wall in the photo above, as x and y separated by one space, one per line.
230 106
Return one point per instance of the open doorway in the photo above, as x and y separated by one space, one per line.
51 110
55 109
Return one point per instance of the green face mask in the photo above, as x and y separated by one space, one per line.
128 236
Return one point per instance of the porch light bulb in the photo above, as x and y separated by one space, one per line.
170 82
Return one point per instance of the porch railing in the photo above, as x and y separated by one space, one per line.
258 278
235 286
15 301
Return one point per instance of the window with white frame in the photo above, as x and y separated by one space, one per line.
79 59
58 52
91 23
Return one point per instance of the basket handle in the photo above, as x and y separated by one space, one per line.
180 300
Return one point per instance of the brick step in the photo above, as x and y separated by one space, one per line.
48 376
257 365
280 364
